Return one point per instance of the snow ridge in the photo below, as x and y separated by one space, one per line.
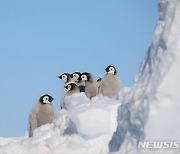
134 114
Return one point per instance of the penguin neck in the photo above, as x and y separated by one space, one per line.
45 104
78 81
88 82
110 74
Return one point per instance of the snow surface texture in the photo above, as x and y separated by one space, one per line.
86 126
151 111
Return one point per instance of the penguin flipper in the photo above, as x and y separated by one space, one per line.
32 124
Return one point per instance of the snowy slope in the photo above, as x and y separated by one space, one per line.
151 111
86 127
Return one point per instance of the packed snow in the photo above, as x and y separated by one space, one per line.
85 127
149 111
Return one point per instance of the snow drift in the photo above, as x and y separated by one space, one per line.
85 127
151 110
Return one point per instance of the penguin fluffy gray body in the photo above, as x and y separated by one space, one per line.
41 114
110 85
91 86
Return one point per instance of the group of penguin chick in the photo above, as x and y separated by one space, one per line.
43 112
77 82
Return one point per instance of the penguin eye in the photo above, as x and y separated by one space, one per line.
46 98
69 86
64 76
84 77
111 69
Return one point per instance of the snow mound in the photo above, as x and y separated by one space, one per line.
85 127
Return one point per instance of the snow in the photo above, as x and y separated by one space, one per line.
152 106
85 127
149 111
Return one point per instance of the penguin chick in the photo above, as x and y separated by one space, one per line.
66 78
41 114
110 84
71 88
76 76
91 87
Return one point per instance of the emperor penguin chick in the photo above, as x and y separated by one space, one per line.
71 88
110 85
91 86
67 79
76 76
41 114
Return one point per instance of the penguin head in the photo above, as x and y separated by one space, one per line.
46 99
71 86
86 77
76 76
65 77
111 70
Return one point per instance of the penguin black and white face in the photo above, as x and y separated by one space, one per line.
70 86
64 77
76 76
111 70
84 77
87 77
46 99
